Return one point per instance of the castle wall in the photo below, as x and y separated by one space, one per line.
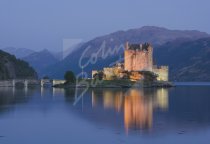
162 72
109 73
128 61
138 60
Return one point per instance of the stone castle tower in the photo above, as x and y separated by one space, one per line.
138 57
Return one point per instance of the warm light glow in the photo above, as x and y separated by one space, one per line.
137 105
137 111
162 99
112 99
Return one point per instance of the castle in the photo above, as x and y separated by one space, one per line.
137 58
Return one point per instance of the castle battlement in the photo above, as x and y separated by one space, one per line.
160 67
138 47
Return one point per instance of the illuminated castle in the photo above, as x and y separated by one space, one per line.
137 58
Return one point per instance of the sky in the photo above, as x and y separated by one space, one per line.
46 24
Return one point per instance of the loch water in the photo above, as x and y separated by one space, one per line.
119 116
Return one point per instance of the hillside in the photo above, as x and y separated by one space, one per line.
41 60
188 60
155 35
12 68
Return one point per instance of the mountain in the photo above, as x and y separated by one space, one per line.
189 60
154 35
66 51
12 68
18 52
41 60
103 51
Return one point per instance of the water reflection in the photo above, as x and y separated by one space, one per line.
137 110
137 105
127 111
9 97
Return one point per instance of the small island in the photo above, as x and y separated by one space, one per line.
137 70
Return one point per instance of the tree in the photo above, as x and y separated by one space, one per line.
69 77
100 75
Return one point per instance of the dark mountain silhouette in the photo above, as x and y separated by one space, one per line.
13 68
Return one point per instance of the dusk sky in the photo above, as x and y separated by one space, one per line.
43 24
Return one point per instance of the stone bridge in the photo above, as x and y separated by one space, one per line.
26 82
14 82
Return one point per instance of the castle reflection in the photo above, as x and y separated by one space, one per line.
136 105
137 110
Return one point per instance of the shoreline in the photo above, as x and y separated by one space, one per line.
117 84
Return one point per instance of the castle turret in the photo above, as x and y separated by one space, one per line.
126 46
150 57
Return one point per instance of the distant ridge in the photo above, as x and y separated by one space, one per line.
41 60
18 52
157 36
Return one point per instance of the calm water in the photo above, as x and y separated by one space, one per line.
102 116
